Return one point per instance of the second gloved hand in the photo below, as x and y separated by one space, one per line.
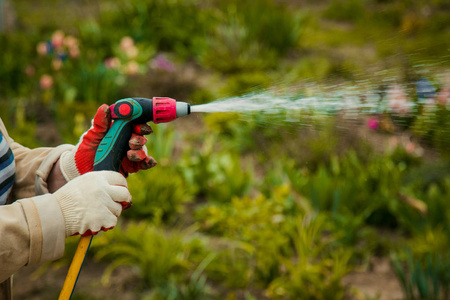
93 202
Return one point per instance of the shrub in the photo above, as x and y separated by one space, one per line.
218 176
317 270
423 267
160 257
159 192
254 222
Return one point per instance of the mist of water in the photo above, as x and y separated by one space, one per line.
351 101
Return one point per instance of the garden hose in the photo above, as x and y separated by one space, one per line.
112 150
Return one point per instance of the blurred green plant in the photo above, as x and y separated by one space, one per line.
345 10
246 39
161 144
254 221
317 270
423 267
375 194
160 257
160 192
433 125
218 176
162 23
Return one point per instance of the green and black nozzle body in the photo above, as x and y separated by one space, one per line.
127 112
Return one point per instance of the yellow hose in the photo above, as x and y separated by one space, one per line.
75 268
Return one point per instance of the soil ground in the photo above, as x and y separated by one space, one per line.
379 283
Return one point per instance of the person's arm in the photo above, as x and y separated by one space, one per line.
33 230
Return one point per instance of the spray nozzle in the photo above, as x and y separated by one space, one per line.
168 109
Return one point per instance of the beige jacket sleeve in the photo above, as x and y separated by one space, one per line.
31 229
32 166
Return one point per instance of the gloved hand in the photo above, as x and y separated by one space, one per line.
93 202
81 159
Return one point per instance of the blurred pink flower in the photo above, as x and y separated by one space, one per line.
30 71
373 123
126 43
160 62
42 48
58 38
410 147
443 97
74 52
398 102
57 64
132 68
112 63
46 82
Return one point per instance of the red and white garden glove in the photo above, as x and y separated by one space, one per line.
92 202
81 159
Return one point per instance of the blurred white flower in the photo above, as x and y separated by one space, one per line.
42 48
398 102
132 68
126 43
74 52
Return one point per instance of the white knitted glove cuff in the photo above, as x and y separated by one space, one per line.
67 165
70 211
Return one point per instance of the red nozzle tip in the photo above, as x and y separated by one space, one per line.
164 109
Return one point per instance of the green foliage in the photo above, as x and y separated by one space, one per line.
161 144
317 270
423 267
13 60
434 126
254 221
345 10
374 184
218 176
158 192
160 257
162 23
246 38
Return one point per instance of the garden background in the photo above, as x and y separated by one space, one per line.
248 207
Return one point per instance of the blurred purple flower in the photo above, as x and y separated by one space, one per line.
373 123
424 89
61 56
160 62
